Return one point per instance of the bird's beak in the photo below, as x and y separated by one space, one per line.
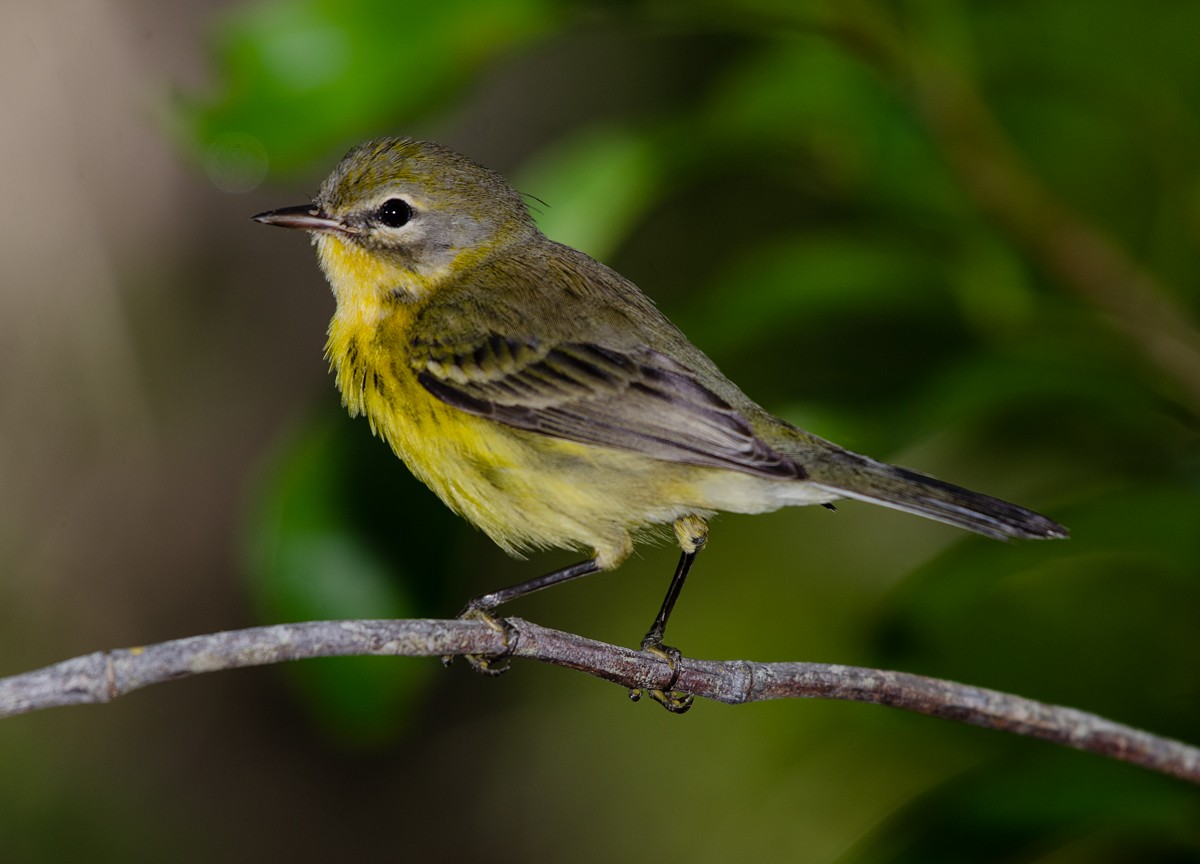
306 217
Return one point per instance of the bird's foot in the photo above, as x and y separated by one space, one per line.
489 664
675 701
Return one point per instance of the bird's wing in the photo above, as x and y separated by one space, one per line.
633 399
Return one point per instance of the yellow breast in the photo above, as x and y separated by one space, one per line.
523 489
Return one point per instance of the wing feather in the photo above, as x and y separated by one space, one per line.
637 400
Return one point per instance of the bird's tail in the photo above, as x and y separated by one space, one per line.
853 476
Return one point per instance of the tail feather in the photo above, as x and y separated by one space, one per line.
904 489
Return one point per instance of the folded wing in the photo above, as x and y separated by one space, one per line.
636 400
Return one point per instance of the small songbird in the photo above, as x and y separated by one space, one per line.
545 398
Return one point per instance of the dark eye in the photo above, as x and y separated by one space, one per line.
394 212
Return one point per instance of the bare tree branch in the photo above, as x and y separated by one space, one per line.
105 675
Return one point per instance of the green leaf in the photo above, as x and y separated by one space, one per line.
593 187
302 77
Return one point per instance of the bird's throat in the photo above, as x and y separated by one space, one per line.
365 285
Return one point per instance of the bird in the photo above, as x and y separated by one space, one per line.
546 399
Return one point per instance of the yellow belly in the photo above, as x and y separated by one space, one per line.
523 489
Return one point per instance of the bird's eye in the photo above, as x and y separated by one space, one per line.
394 212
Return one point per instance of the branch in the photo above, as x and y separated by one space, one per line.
105 675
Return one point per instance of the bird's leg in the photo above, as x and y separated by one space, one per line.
692 533
480 609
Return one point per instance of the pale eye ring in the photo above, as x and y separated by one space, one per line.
394 213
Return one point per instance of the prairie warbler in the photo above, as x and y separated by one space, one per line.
543 397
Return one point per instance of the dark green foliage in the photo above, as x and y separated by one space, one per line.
795 211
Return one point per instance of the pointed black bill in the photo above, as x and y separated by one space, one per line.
306 217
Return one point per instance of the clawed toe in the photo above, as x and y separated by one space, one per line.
675 701
491 665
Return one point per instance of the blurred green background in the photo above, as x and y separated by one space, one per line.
960 236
